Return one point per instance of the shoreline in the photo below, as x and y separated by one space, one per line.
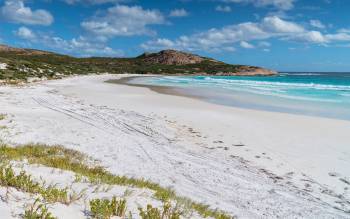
156 88
249 105
226 157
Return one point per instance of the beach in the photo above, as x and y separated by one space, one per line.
249 163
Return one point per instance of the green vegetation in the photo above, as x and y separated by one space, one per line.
24 182
154 213
70 160
105 209
37 211
22 65
2 116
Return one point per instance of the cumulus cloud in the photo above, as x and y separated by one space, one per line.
264 44
93 2
122 20
278 4
15 11
222 8
179 13
338 37
317 24
269 27
246 45
25 33
344 30
79 46
309 36
278 25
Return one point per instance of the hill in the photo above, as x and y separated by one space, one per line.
171 57
21 64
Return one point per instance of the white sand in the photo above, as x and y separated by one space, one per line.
290 166
13 203
3 66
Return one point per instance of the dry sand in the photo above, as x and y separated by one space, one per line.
252 164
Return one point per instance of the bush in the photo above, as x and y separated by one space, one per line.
24 182
154 213
105 209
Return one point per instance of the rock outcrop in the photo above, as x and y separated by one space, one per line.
171 57
210 67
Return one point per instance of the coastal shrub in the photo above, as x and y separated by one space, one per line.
24 182
154 213
71 160
2 116
38 210
53 194
105 209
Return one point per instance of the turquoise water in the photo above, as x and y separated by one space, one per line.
318 94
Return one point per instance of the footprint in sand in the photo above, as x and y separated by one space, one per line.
333 174
218 142
345 180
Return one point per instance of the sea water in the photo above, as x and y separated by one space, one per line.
316 94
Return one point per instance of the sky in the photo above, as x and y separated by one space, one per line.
284 35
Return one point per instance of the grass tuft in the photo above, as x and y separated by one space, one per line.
154 213
71 160
24 182
105 209
38 211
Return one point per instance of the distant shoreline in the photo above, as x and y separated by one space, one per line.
157 88
236 99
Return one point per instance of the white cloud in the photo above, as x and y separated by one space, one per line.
80 46
93 2
278 4
246 45
25 33
344 30
15 11
317 24
179 13
269 27
310 37
166 43
338 37
276 24
229 49
222 8
122 20
264 44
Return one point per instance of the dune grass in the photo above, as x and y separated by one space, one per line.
167 212
71 160
24 182
37 210
104 208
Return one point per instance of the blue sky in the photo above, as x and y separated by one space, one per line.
286 35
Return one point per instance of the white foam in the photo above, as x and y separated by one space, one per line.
267 88
271 84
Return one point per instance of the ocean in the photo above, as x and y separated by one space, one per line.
315 94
